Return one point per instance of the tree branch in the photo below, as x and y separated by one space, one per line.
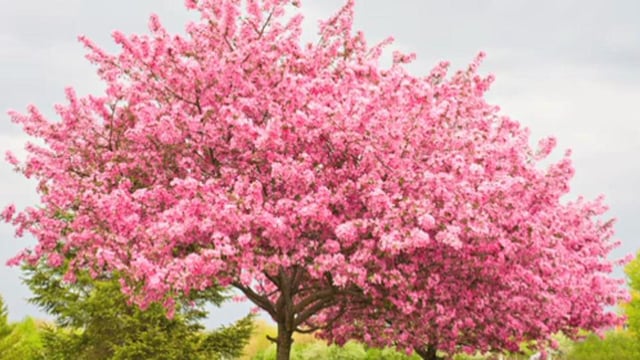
259 300
328 324
316 296
264 26
311 310
272 279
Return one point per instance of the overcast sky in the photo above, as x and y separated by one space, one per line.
563 67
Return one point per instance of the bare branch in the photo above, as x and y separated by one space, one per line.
226 40
311 310
272 339
274 280
259 300
328 324
308 330
315 296
264 26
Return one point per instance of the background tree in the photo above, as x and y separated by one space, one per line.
615 345
5 329
94 321
23 342
632 308
19 340
337 195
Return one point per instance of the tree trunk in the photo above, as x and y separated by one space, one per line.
428 353
284 343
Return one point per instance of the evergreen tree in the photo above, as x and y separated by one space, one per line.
94 321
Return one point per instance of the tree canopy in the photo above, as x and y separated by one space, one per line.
337 195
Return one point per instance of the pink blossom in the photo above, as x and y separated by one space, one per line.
420 238
7 213
11 158
346 232
55 260
427 222
450 237
331 246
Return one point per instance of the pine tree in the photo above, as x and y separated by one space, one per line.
93 320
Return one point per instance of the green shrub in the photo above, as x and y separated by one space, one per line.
320 350
618 345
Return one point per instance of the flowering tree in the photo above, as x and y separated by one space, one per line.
336 195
